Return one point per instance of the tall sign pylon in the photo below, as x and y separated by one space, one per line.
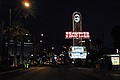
77 27
78 50
77 35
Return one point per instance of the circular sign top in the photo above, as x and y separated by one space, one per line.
76 17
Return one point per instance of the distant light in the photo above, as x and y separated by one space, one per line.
82 41
11 40
28 40
41 34
73 62
117 50
26 34
31 54
88 53
90 40
52 47
26 4
40 40
55 57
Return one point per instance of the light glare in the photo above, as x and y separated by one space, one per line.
27 4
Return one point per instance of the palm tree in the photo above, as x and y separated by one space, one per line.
17 34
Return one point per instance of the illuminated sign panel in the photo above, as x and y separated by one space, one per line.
75 55
78 52
70 35
76 17
115 59
77 49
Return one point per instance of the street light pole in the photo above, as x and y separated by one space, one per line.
26 4
8 43
1 43
10 12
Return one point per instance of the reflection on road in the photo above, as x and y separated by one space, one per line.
48 73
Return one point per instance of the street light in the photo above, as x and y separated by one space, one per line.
41 35
26 4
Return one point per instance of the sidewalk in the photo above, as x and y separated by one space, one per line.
17 70
10 71
115 75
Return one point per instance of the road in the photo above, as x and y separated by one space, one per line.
47 73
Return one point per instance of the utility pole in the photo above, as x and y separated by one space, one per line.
8 35
34 49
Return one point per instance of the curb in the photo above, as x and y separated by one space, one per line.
17 70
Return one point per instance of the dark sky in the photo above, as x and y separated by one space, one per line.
99 16
54 17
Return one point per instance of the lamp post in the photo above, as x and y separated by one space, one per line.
10 12
26 4
8 43
1 42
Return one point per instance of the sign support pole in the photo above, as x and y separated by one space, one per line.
77 26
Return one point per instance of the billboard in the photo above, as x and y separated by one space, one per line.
79 35
77 52
115 59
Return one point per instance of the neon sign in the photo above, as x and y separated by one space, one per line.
79 35
77 52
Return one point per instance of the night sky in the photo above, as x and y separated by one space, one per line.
54 17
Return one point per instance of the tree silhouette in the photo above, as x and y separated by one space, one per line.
17 33
19 14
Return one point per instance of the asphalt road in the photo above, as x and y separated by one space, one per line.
47 73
